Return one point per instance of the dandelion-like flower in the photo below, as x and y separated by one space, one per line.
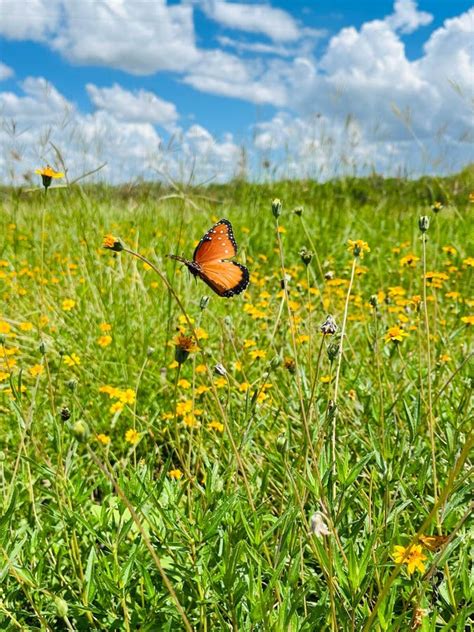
47 174
358 247
112 243
395 334
132 436
412 556
175 474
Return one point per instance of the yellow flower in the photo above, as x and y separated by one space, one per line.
412 556
244 387
202 389
26 326
112 243
184 383
4 376
184 345
36 369
72 360
116 408
201 368
469 262
201 334
358 247
249 343
68 304
215 425
103 438
258 354
449 250
49 172
409 260
127 396
395 334
469 320
132 436
4 327
183 408
105 327
325 379
444 357
281 230
104 341
175 474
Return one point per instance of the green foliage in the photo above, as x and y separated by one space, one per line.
219 475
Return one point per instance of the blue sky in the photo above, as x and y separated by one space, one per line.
214 66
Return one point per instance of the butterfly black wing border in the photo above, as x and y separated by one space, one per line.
207 237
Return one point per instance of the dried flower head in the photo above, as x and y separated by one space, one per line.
318 526
424 223
276 208
184 345
329 326
290 365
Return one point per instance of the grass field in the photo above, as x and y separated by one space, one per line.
139 493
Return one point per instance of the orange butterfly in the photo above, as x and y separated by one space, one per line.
210 261
434 542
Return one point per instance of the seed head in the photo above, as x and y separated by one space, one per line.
306 256
220 369
329 327
184 345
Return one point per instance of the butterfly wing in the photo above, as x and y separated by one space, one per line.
226 278
217 244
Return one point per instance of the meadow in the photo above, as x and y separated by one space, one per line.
261 474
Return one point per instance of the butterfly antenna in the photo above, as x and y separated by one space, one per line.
177 258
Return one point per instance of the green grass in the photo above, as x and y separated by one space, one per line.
98 536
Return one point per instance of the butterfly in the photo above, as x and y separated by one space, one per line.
211 261
434 542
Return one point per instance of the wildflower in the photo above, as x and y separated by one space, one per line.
190 421
358 247
469 262
104 341
444 358
26 326
68 304
5 328
469 320
395 334
329 327
36 369
184 345
47 174
258 354
105 327
249 343
103 438
112 243
449 250
65 413
132 436
72 360
318 526
412 556
325 379
116 408
409 260
436 207
201 368
175 474
352 394
244 387
202 389
183 383
80 430
201 334
215 425
289 364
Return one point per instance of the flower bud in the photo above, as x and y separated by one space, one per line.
42 347
298 211
374 301
306 256
80 430
276 208
61 607
204 302
424 223
65 413
333 351
71 384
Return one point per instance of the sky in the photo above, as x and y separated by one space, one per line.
213 89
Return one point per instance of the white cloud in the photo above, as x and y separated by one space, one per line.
276 24
5 71
137 107
407 18
36 20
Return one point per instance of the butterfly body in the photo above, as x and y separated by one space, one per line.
211 261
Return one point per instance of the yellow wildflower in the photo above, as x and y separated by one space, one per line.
175 474
412 556
104 341
215 425
469 320
395 334
103 438
68 304
132 436
358 247
258 354
36 369
105 327
72 360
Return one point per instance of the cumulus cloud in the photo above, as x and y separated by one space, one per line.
407 18
276 24
5 71
137 107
